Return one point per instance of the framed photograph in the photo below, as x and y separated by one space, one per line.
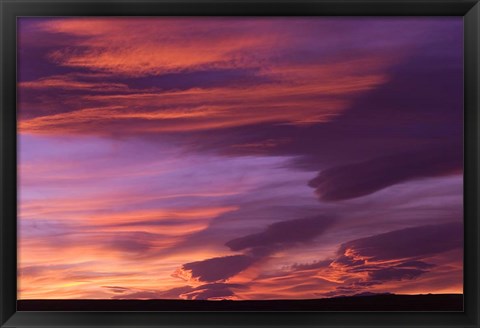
239 163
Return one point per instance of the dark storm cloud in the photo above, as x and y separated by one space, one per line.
281 234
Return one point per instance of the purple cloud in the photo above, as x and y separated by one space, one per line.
408 128
393 256
360 179
282 234
275 237
209 291
117 289
173 293
217 268
381 261
395 274
416 242
135 242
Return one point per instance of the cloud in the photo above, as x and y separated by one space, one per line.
349 97
74 82
395 261
408 127
313 265
276 237
216 291
200 109
135 48
395 274
393 256
196 81
38 270
173 293
140 46
117 289
133 242
282 234
415 264
364 110
360 179
323 86
410 243
215 269
399 255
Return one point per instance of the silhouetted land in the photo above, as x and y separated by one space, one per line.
388 302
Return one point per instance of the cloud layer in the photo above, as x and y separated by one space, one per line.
239 158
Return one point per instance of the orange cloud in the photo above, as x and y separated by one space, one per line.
134 47
201 109
70 82
283 91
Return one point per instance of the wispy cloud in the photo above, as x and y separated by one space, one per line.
239 158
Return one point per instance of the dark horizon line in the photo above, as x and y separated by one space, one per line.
245 300
379 302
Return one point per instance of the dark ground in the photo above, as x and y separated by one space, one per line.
390 302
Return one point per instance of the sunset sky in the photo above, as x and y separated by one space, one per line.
239 158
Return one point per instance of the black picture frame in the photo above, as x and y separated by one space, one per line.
10 10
